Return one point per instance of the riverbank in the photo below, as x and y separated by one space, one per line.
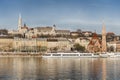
73 55
20 54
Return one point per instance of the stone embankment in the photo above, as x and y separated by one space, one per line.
20 54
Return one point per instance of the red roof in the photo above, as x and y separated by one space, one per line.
95 36
110 33
92 42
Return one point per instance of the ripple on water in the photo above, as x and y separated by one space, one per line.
31 68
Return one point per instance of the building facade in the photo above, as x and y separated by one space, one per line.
62 32
6 44
29 45
44 31
58 44
94 44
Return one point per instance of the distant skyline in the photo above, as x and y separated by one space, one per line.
65 14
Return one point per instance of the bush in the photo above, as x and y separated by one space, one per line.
79 48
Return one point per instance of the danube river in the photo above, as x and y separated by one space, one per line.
35 68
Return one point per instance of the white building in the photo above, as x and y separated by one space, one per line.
44 30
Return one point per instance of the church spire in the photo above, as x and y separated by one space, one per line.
19 22
104 49
103 29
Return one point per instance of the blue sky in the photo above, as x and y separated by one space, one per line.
66 14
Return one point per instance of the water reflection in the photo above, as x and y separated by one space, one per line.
31 68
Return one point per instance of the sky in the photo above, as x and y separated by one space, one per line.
65 14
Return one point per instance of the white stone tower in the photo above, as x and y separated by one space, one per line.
19 22
104 48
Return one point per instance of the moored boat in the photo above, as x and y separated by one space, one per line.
82 55
103 55
68 55
113 55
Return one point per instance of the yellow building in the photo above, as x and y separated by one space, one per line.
6 44
64 44
29 45
42 44
58 44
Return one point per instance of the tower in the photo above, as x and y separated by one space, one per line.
19 22
104 49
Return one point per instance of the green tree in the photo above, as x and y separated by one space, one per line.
43 48
79 48
111 49
55 49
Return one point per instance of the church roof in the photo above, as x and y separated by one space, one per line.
91 43
110 33
86 32
95 36
24 27
94 39
44 29
62 31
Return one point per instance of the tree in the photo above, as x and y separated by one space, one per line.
43 48
78 47
55 49
111 48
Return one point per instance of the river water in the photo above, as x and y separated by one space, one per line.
35 68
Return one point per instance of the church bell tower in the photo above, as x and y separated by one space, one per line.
104 48
19 22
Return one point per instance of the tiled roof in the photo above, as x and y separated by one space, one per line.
86 32
91 43
24 27
62 31
44 29
95 37
74 32
110 33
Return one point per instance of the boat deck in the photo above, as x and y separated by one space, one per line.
68 55
92 55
